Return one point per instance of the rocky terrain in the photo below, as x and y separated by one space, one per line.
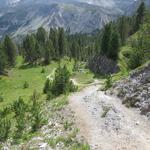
107 124
59 133
19 17
135 90
97 118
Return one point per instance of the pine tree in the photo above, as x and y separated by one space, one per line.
10 50
30 46
49 52
41 35
37 119
113 46
61 42
60 85
123 28
3 60
53 36
20 109
140 16
106 39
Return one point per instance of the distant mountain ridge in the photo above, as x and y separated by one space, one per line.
19 17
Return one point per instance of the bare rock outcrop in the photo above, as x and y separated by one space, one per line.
103 65
135 90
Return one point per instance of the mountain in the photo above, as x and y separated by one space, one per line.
19 17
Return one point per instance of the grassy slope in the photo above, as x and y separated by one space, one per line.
11 87
132 43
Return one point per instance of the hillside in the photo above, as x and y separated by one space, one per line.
78 91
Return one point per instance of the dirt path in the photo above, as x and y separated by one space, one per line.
106 124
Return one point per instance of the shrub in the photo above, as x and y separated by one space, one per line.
131 57
108 82
43 70
26 85
5 126
20 109
37 119
5 112
46 86
1 98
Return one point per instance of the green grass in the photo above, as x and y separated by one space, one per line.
11 86
67 141
59 102
84 77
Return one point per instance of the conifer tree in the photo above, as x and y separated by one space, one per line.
53 36
140 16
61 42
113 46
3 60
41 35
49 52
37 119
123 28
20 109
30 46
10 50
106 39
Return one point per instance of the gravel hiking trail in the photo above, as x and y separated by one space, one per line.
106 124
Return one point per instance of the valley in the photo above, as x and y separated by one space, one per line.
74 75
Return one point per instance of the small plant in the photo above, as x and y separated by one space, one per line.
20 109
76 66
5 112
108 82
26 85
43 70
80 146
5 126
1 98
46 86
67 125
37 119
1 146
105 111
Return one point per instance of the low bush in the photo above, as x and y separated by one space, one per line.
1 98
26 85
43 70
5 126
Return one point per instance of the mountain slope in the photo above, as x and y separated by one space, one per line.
20 17
79 17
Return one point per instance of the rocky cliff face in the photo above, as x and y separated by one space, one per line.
135 90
